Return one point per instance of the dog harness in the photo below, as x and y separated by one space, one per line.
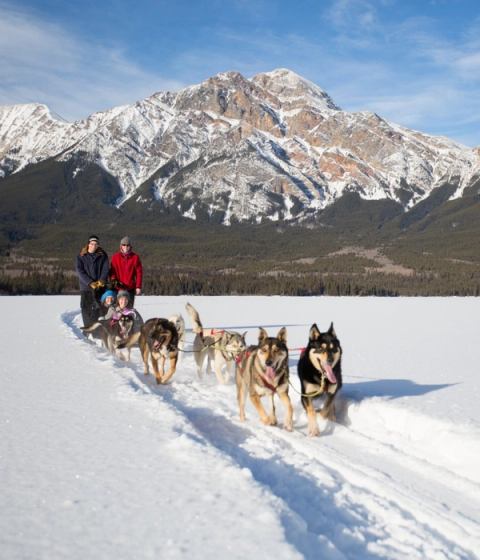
228 356
267 384
122 313
242 355
212 332
323 379
245 355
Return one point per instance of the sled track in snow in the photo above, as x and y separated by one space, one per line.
335 498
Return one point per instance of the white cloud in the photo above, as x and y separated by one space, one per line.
406 71
356 15
470 63
42 62
459 57
427 100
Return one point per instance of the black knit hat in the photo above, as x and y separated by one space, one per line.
93 238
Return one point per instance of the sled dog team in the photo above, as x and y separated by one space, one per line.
260 370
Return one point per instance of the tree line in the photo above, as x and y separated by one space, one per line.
196 282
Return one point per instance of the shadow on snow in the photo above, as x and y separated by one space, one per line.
313 522
389 388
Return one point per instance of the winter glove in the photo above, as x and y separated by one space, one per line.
97 284
117 285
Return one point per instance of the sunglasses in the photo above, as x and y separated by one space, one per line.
126 245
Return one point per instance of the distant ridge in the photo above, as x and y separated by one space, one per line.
230 149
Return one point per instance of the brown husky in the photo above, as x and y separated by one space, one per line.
158 340
262 370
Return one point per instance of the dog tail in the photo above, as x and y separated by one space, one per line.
92 327
131 341
178 322
197 324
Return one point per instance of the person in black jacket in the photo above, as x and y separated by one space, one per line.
92 269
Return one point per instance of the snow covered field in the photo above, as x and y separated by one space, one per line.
97 462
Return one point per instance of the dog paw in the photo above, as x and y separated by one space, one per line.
328 415
288 427
313 432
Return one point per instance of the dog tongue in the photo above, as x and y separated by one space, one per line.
270 372
330 375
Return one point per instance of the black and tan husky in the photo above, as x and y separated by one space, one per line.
262 371
113 331
158 340
320 373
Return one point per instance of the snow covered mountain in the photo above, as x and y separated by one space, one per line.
234 149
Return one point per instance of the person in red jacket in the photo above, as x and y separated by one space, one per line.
126 271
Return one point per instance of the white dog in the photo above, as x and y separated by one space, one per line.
219 346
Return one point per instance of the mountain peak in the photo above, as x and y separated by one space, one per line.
288 85
285 74
28 109
271 147
228 76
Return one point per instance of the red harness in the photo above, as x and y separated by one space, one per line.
268 385
245 355
212 332
240 356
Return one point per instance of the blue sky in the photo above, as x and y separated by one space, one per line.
414 62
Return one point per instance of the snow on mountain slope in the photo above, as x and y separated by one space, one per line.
277 139
98 460
294 92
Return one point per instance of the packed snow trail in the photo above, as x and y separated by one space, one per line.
95 465
342 494
169 471
345 500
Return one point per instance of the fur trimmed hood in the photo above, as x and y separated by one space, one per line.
98 250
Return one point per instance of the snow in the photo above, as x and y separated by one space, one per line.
96 461
288 82
190 213
288 203
132 142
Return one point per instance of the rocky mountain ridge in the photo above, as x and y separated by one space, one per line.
273 147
